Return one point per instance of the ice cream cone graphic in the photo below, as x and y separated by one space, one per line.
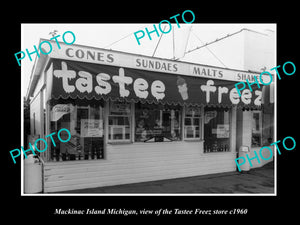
182 88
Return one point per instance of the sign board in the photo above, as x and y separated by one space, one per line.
132 85
223 131
59 110
129 60
91 128
209 115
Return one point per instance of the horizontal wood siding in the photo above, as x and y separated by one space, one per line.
138 162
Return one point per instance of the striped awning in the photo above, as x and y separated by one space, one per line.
82 80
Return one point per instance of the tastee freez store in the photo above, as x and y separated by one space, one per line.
135 118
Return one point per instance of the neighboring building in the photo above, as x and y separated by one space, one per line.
258 55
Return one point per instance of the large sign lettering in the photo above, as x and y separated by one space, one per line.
128 60
86 80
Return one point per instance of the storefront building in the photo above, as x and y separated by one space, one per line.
135 118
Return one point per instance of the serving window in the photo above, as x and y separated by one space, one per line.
157 122
85 124
216 129
137 122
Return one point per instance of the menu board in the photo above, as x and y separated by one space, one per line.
59 110
223 131
91 128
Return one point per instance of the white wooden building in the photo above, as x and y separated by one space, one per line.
135 118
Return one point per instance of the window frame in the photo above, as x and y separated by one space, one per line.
201 125
130 120
161 121
230 150
74 123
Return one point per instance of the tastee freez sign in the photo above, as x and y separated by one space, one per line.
87 80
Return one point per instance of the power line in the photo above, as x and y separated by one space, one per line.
210 50
173 43
118 40
209 43
121 39
186 40
159 41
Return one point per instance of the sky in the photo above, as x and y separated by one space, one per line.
120 37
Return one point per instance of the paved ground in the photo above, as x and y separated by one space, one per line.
259 180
